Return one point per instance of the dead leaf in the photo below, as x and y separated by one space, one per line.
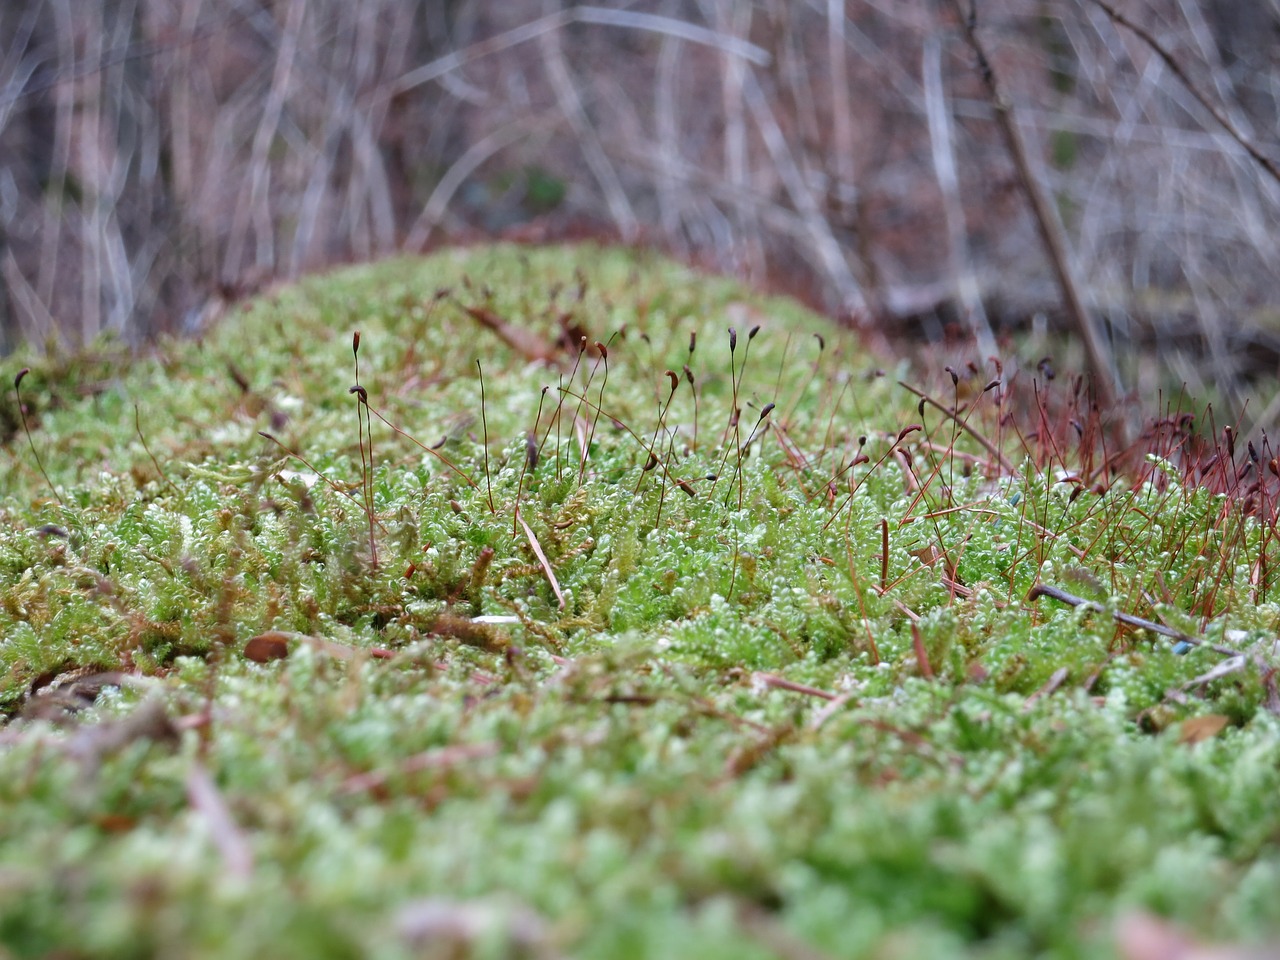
1206 727
524 341
542 558
265 647
114 822
274 645
60 698
928 555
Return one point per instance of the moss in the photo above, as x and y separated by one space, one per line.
714 729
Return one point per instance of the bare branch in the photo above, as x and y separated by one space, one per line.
254 202
1202 98
944 165
480 151
1105 377
594 15
588 139
824 242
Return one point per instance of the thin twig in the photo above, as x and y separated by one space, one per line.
1056 680
1128 619
964 425
775 682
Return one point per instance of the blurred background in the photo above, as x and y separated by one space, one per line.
161 158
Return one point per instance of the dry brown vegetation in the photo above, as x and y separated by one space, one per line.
159 158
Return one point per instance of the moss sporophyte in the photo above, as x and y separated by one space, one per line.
634 616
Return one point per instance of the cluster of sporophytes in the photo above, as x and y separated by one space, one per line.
580 605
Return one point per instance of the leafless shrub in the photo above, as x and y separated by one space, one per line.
161 157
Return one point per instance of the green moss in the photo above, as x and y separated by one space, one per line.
717 728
